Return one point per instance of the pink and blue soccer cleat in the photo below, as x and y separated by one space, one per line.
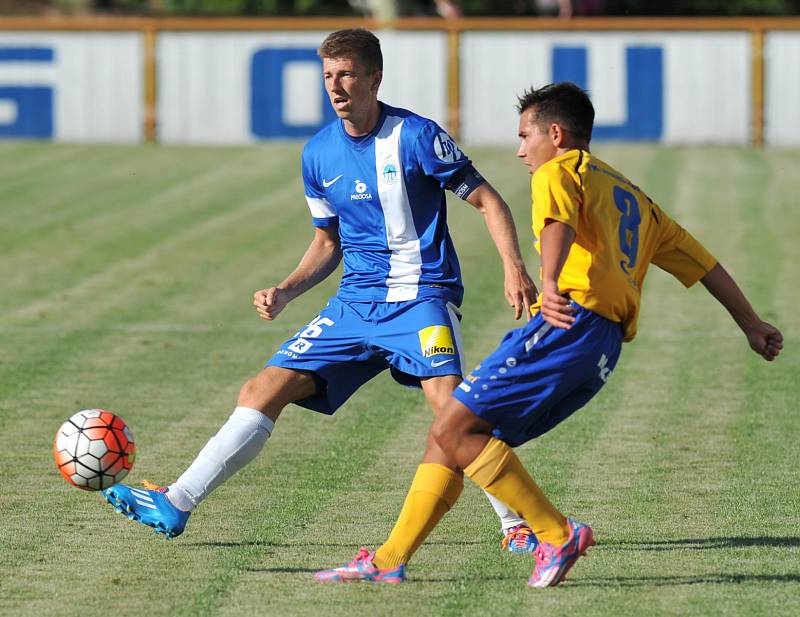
553 562
519 539
362 569
148 506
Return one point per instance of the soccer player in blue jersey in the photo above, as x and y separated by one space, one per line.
597 234
374 181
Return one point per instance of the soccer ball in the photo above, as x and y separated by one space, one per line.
94 449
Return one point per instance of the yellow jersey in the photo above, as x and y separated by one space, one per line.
619 231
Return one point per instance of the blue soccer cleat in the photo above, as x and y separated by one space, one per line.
519 539
553 562
148 506
362 569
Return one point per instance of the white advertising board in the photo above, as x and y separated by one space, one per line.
685 87
244 87
77 87
782 89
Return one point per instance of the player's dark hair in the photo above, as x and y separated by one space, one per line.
356 43
562 103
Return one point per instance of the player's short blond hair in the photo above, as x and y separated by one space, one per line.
357 43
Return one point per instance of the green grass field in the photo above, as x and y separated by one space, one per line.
126 277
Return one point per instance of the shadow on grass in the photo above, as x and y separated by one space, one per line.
354 547
676 581
283 570
414 579
704 543
463 579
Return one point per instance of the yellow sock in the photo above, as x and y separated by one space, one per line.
433 492
498 471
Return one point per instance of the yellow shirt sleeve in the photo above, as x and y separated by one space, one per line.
679 253
557 196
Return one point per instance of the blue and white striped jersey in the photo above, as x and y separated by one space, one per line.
386 190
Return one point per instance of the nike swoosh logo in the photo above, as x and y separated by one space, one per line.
327 183
434 364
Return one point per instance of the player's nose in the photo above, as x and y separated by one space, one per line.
335 83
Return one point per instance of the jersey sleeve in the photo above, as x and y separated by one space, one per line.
323 214
679 253
440 157
556 197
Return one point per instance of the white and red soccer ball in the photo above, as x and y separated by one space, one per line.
94 449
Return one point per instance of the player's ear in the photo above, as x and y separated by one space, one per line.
556 133
377 77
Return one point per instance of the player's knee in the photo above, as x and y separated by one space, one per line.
438 404
444 433
247 390
253 393
274 388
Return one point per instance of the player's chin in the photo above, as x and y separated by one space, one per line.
341 108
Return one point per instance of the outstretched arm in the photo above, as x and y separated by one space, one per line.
520 290
765 339
321 258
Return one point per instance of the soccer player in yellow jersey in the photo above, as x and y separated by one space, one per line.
597 233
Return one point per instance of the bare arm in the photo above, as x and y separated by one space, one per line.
520 289
320 259
765 339
556 240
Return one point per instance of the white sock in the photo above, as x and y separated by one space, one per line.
237 443
508 518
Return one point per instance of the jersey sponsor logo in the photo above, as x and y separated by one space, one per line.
389 173
327 183
361 191
438 363
446 148
435 340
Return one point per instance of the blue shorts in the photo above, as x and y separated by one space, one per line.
540 375
349 343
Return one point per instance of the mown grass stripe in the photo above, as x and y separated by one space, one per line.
135 224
